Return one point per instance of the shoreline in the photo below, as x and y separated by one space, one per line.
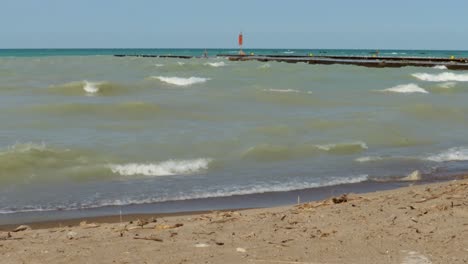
114 214
414 224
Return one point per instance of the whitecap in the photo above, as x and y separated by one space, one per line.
344 145
181 63
405 88
166 168
440 67
442 77
368 159
265 66
453 154
216 64
91 87
159 65
179 81
289 52
281 90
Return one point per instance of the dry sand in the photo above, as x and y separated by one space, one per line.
414 225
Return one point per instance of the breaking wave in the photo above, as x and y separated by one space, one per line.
448 85
442 77
281 90
440 67
87 88
453 154
344 148
166 168
179 81
405 88
216 64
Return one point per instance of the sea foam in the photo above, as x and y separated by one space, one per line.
166 168
440 67
216 64
91 87
442 77
179 81
453 154
405 88
281 90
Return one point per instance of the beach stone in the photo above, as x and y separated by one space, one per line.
22 228
71 235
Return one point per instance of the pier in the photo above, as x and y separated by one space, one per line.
366 61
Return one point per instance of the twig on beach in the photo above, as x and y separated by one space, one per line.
152 238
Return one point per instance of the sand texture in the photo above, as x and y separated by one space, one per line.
413 225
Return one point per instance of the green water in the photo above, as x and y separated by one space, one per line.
103 130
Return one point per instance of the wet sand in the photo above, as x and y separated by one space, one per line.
415 224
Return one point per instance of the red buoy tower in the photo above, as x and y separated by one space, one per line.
241 42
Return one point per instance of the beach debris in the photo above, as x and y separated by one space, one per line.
164 227
141 222
342 199
152 238
22 228
71 235
414 176
241 250
201 245
84 224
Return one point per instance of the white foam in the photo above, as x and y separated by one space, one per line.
196 194
265 66
166 168
91 87
181 63
453 154
368 159
179 81
328 147
448 85
281 90
440 67
216 64
159 65
442 77
413 257
405 88
289 52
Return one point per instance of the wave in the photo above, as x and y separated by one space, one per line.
166 168
216 64
440 67
87 88
442 77
289 52
269 152
281 90
265 66
159 65
448 85
91 87
179 81
405 88
453 154
180 63
344 148
196 194
368 159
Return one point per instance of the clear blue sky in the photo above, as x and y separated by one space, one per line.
391 24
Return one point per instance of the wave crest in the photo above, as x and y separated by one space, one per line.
405 88
166 168
453 154
440 67
344 148
179 81
216 64
442 77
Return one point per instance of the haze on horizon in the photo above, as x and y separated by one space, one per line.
359 24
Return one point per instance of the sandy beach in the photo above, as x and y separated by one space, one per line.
414 225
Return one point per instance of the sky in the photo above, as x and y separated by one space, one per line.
311 24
